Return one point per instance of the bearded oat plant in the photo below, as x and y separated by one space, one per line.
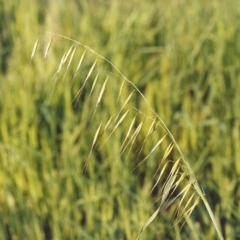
113 107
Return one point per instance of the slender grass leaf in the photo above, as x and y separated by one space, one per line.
34 50
48 47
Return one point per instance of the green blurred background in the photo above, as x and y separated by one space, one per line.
183 56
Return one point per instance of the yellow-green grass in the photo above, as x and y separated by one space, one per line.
183 56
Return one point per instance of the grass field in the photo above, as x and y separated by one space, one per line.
82 152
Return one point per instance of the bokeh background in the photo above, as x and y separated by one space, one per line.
183 56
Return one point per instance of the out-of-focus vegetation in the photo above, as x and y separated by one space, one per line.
182 55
